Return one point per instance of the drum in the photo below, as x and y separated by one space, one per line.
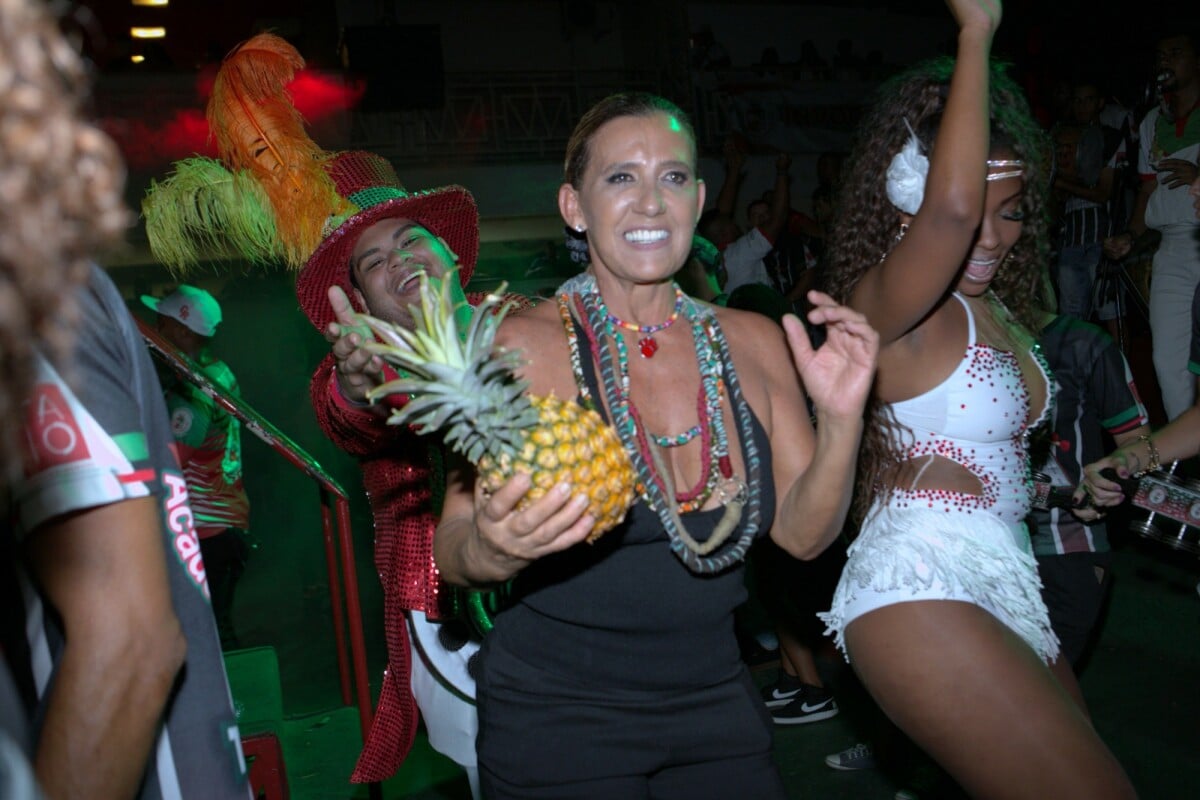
1174 506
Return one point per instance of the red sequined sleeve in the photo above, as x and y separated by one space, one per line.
359 430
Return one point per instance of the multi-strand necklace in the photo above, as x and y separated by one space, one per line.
647 345
717 379
715 467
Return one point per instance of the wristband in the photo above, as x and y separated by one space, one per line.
1155 462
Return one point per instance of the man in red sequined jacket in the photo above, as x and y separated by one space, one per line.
372 262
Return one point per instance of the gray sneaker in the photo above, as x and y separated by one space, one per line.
861 756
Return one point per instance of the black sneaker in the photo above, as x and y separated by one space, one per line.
783 691
812 704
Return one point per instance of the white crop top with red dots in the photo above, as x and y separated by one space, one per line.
978 418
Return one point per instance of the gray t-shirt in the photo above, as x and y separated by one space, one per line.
104 439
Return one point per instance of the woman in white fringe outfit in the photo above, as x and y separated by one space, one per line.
941 242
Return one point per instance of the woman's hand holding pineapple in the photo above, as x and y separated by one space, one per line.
507 538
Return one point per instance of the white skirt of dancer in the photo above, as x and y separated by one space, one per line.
907 554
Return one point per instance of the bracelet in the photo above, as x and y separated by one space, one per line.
1154 463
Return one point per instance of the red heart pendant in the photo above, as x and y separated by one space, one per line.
648 347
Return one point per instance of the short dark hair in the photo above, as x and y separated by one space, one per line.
1189 32
1093 80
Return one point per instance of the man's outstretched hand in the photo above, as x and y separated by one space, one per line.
358 371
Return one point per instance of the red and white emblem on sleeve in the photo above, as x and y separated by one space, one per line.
52 434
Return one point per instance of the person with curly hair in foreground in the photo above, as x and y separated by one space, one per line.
61 201
120 690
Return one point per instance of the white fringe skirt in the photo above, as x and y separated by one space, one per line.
907 554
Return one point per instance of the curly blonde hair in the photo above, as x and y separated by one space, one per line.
61 183
866 223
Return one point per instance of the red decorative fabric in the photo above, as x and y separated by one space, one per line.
396 475
395 469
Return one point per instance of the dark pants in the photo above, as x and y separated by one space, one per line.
1074 587
792 591
556 740
224 562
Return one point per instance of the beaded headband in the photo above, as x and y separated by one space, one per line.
1005 162
909 168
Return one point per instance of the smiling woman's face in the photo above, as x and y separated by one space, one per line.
639 197
1003 220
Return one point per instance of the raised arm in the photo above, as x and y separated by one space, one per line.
356 370
781 199
735 159
361 429
899 292
816 470
339 386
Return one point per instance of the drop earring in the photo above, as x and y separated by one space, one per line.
899 236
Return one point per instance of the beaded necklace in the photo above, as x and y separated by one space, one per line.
655 484
647 344
706 403
712 471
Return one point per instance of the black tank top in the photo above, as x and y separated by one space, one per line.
625 612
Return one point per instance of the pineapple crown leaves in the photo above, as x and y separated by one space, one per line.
456 382
437 346
435 332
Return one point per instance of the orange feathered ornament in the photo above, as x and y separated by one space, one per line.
259 130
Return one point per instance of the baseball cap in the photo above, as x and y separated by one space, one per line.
195 308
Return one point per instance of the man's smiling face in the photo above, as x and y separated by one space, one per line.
387 263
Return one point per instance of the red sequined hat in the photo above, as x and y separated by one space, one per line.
369 182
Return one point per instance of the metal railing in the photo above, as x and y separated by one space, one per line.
335 515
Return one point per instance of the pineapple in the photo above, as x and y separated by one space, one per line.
459 386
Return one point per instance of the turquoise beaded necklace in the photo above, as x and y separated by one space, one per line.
711 470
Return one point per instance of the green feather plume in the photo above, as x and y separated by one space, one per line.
202 210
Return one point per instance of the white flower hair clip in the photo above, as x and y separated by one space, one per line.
906 175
